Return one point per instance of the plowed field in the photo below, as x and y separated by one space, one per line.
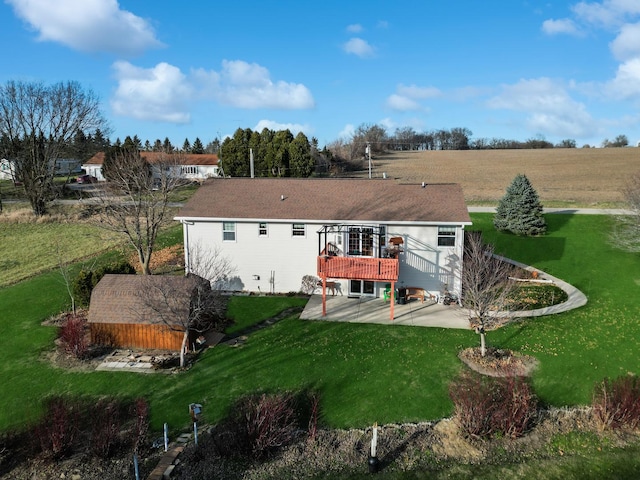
589 177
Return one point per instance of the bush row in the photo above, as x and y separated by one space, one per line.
485 407
257 426
99 428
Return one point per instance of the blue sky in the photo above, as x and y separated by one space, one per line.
502 68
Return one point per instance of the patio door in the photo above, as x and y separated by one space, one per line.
361 288
360 241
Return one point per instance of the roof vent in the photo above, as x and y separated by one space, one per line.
424 184
281 197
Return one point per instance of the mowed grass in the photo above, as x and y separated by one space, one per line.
584 177
363 373
30 248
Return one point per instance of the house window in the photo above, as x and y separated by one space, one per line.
298 230
383 235
262 229
189 169
446 236
229 231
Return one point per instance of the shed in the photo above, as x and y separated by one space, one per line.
141 311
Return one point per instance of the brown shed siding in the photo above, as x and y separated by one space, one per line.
136 336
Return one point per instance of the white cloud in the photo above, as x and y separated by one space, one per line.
555 27
160 93
548 107
87 25
354 28
359 47
295 128
248 85
413 91
627 44
608 13
403 104
626 83
164 93
407 97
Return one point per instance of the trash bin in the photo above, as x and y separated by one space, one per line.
402 296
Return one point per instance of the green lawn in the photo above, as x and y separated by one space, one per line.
363 373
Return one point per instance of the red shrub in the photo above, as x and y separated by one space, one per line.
485 406
616 403
270 421
73 336
57 431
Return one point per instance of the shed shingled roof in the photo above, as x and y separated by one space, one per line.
126 298
327 200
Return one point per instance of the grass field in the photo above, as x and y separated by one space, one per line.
364 373
582 177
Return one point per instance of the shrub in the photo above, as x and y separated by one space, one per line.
140 412
486 406
270 422
73 336
57 430
82 287
105 428
616 403
87 279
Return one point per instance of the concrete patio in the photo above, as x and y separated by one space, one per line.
376 310
428 314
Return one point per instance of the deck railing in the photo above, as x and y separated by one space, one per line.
358 268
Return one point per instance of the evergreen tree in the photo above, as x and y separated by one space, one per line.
186 146
520 210
197 147
300 159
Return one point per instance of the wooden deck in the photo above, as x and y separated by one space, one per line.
358 268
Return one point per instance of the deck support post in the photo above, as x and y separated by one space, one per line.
324 296
393 297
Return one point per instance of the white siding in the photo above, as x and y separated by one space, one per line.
287 258
424 264
279 255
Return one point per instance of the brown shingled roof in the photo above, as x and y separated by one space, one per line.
152 157
326 200
121 298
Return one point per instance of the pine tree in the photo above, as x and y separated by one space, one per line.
520 210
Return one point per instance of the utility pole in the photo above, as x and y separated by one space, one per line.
368 152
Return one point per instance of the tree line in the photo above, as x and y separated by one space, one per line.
377 139
275 154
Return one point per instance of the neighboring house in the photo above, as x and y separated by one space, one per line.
364 235
7 169
131 311
63 166
188 166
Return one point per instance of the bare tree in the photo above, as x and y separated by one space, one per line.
135 201
486 287
39 122
626 232
190 304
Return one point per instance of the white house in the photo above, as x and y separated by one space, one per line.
7 169
190 166
364 235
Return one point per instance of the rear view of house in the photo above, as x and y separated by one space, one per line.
361 235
